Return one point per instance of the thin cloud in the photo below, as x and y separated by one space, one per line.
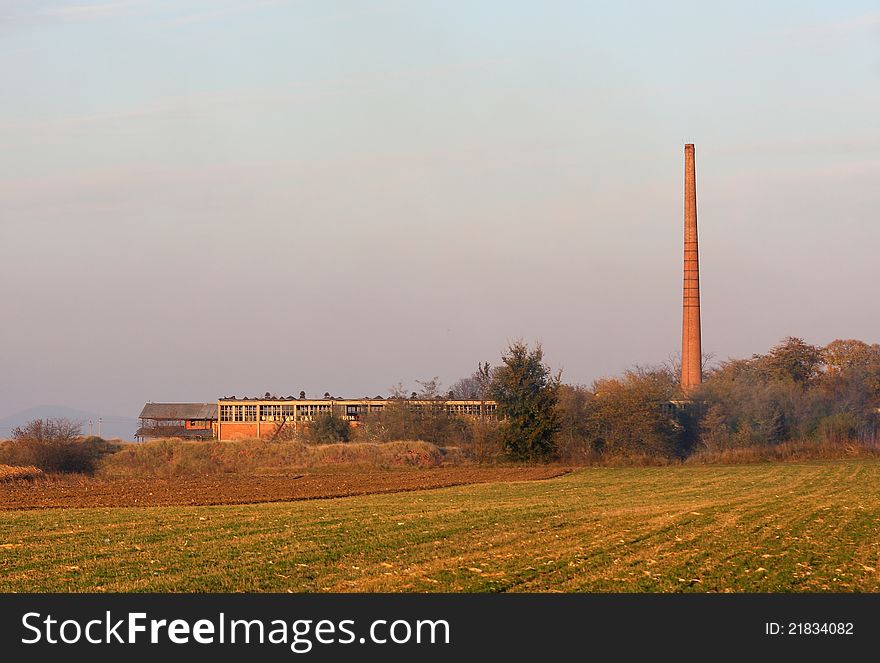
830 34
91 11
200 103
242 7
28 14
851 144
863 23
222 12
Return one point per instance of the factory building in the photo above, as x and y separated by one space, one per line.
269 417
242 418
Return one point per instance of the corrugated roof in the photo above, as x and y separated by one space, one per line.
179 411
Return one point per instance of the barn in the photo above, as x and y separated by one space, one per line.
193 421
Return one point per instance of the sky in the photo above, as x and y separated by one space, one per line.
205 198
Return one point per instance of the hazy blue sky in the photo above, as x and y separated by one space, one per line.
213 197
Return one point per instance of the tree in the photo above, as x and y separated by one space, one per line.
573 440
715 434
430 389
853 373
672 365
844 354
526 393
48 431
796 360
476 386
776 427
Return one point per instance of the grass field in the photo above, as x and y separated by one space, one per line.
770 527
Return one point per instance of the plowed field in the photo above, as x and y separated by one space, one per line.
72 491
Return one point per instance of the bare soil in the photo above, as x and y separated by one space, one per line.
73 491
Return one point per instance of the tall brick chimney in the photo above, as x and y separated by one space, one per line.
691 350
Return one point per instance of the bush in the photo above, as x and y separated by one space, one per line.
329 428
77 456
55 445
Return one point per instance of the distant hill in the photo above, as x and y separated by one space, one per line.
111 426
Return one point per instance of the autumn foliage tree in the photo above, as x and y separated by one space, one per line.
627 416
573 407
797 391
795 360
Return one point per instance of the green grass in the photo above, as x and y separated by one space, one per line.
772 527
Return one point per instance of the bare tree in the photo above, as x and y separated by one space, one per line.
430 389
673 364
55 430
397 391
475 386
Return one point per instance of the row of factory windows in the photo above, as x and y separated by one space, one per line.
290 412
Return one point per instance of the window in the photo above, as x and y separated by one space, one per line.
250 413
270 412
228 412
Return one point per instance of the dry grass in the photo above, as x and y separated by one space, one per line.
405 453
29 473
800 450
174 457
